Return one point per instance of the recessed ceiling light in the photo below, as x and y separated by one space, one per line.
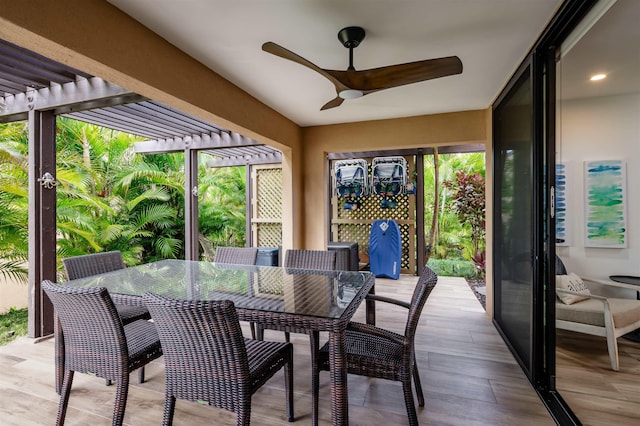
598 77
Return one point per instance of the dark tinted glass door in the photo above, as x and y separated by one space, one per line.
513 216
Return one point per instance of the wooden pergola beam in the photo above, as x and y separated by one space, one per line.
82 94
274 158
198 142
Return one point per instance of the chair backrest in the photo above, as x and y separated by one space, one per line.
560 268
311 259
204 351
92 264
94 338
426 282
236 255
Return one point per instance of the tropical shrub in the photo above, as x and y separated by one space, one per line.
469 204
110 198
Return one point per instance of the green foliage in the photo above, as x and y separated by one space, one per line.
222 214
469 204
110 198
13 324
14 203
455 237
453 268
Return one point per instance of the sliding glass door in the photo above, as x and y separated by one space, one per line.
514 226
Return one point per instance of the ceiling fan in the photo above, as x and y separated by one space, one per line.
351 84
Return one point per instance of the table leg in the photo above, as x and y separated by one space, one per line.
371 308
338 372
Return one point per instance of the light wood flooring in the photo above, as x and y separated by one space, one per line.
598 395
469 377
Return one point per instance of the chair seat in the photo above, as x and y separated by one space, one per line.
264 356
129 314
142 339
591 311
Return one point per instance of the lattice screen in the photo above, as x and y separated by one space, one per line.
355 225
266 217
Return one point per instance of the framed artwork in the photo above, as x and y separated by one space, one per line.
563 229
605 190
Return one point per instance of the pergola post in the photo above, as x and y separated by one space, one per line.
248 190
42 219
191 243
420 231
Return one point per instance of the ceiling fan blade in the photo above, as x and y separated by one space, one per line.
335 102
398 75
280 51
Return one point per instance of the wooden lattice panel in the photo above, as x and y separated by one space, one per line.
268 193
355 225
266 217
268 235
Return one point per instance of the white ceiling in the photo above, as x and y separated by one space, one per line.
609 47
491 37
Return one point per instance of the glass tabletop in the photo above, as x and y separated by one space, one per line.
275 289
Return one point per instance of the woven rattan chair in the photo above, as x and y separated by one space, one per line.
236 255
96 341
310 259
318 260
375 352
307 259
98 263
208 360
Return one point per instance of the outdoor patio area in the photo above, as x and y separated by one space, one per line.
469 377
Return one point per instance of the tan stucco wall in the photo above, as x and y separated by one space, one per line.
12 295
457 128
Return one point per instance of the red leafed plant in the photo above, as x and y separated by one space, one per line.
469 204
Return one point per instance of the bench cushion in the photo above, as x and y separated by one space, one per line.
591 311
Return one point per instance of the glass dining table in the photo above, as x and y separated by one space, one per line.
283 298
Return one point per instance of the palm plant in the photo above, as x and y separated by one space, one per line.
222 212
111 199
14 180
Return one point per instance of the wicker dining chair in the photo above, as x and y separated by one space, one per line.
208 360
323 260
236 255
375 352
308 259
98 263
97 343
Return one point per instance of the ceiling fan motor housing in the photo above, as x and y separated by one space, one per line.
351 37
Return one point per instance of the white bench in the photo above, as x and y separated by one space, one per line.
600 316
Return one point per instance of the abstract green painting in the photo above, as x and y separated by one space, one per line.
605 204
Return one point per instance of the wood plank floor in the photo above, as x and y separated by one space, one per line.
598 395
469 377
